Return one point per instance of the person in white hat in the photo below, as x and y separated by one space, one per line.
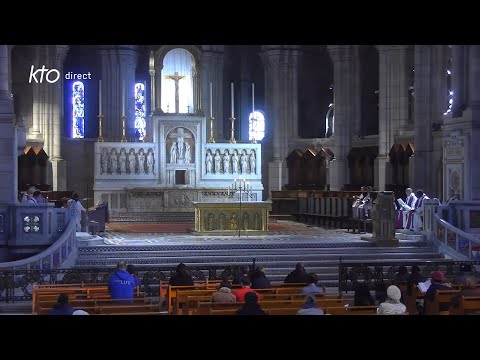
392 305
80 312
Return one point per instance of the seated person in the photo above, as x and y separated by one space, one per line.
251 306
312 287
362 296
224 293
402 275
297 276
182 277
465 271
243 272
62 307
310 307
121 284
136 280
469 288
392 304
439 282
240 294
259 279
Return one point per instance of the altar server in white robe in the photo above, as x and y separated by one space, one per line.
418 210
407 206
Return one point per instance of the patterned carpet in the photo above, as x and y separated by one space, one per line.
284 226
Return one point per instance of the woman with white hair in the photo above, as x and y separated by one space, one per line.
392 305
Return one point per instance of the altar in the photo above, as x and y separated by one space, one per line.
179 165
176 169
230 217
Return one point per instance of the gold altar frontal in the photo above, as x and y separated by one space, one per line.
227 217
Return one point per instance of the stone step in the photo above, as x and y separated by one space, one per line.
278 261
249 254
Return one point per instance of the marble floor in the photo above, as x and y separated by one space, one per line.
300 233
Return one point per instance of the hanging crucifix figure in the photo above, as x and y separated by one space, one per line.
175 77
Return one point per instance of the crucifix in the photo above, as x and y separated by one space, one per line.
175 77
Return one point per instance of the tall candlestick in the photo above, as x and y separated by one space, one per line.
123 98
253 99
211 101
100 97
232 99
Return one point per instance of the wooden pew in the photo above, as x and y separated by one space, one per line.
441 297
468 305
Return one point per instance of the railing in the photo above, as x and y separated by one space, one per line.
16 285
381 273
454 242
51 258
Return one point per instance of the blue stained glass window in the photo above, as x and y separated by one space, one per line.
140 112
78 113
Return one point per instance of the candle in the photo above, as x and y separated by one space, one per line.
211 101
100 97
123 98
253 99
232 100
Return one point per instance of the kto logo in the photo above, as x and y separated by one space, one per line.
52 75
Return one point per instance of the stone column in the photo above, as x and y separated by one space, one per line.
472 115
212 72
59 169
344 101
458 79
158 84
393 107
8 137
281 107
38 95
127 56
116 67
423 116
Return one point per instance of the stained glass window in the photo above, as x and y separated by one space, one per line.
256 126
140 112
78 113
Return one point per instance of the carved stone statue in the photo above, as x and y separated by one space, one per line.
131 161
208 162
218 161
123 161
226 162
222 222
234 162
188 158
114 161
150 162
180 145
173 153
104 161
245 221
210 222
243 163
141 162
253 163
233 222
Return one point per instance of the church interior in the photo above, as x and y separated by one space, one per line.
240 179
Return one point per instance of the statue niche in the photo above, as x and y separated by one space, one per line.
180 145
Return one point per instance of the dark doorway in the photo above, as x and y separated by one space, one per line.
180 177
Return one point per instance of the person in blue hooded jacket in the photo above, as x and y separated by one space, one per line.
121 284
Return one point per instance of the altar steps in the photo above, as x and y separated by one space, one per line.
154 218
278 259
